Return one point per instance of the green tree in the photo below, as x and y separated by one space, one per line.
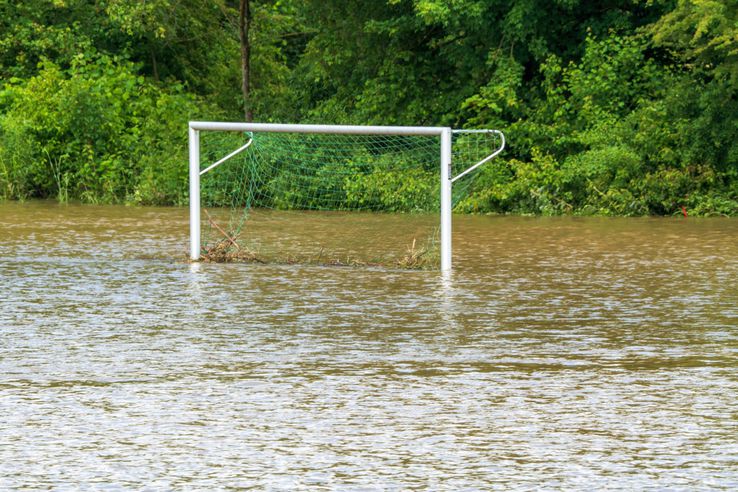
702 34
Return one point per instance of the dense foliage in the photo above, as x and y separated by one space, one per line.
614 107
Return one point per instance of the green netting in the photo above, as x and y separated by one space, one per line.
328 173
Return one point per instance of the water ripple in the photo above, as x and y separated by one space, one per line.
571 354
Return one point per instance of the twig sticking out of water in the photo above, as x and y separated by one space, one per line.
225 234
415 258
227 250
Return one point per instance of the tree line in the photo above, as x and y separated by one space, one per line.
611 107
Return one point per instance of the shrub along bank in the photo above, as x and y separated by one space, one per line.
610 108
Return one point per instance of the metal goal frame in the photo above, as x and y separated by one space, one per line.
445 134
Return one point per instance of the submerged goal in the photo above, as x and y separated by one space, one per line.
335 167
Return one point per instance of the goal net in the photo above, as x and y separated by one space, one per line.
327 194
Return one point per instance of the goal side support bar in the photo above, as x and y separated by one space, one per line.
444 133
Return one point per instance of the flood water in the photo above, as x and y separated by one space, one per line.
562 353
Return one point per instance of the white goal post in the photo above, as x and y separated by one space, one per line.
445 134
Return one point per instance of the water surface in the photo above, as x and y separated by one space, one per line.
562 353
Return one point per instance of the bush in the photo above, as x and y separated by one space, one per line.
96 132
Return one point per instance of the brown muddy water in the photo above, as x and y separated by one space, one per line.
562 354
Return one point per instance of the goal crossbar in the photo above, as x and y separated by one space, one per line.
445 134
327 129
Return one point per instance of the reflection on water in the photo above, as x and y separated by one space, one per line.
561 353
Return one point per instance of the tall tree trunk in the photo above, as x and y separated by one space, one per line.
244 25
154 65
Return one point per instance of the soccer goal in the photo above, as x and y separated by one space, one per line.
332 167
